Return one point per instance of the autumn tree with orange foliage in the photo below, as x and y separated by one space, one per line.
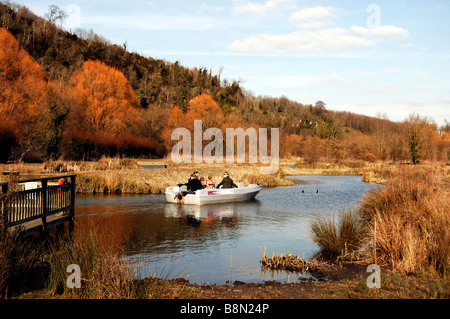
105 113
22 92
104 99
203 107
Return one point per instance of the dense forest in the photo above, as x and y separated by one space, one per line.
75 95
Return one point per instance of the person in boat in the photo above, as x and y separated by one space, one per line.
209 182
194 183
226 182
202 180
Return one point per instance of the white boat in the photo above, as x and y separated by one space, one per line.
179 194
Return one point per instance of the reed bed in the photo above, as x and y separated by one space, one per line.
155 181
405 225
339 239
283 261
409 221
19 260
30 265
103 274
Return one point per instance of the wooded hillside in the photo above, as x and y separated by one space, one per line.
76 95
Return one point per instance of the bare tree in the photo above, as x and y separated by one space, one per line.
320 107
55 14
418 132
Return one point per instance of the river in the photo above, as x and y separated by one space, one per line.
219 243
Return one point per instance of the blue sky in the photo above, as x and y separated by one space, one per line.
368 57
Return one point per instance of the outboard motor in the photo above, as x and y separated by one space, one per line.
182 191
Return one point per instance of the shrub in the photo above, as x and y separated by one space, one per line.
339 239
369 157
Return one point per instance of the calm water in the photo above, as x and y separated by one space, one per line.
216 243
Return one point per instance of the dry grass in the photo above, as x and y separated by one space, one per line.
155 181
405 225
341 239
115 175
17 256
409 221
17 260
283 261
103 274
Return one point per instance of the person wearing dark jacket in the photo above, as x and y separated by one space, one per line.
194 184
226 182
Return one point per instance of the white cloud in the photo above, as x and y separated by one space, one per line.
313 18
313 32
312 14
303 41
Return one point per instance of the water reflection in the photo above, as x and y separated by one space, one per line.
227 215
220 242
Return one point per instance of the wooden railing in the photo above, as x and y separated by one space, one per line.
40 208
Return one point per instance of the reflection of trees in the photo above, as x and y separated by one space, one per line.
210 217
176 226
140 228
112 229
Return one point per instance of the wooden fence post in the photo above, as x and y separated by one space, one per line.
4 208
72 208
44 204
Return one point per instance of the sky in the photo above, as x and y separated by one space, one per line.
377 58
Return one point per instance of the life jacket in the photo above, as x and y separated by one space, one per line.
62 181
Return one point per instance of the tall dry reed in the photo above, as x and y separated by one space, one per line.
103 274
17 257
409 222
339 239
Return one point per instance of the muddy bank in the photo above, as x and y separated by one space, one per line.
341 285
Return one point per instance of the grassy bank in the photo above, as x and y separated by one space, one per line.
409 222
404 227
115 175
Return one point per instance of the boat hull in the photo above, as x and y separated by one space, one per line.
213 196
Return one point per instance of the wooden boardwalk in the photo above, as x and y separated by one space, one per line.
36 205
